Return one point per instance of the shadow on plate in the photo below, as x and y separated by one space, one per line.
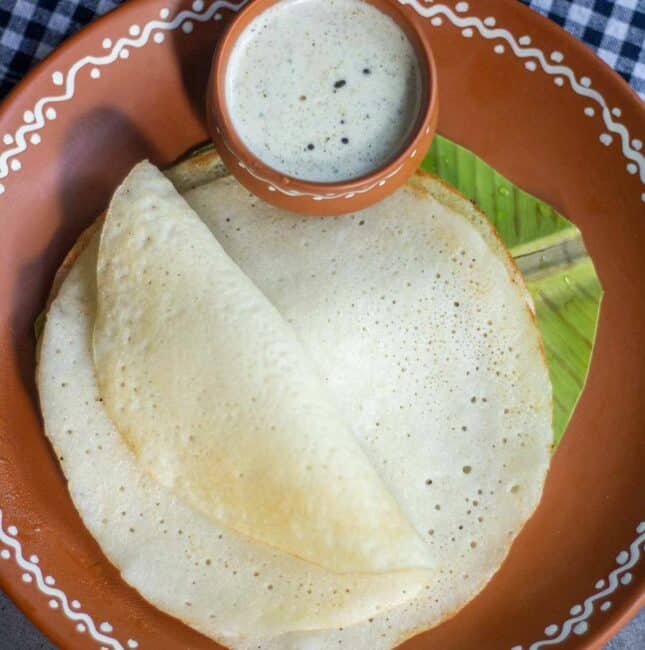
100 149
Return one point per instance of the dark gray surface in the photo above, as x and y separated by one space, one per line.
17 633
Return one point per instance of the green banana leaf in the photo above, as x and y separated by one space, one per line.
553 260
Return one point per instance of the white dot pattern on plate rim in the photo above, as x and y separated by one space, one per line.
581 628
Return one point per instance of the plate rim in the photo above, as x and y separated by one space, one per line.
599 634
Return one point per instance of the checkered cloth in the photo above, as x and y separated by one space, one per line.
30 29
615 29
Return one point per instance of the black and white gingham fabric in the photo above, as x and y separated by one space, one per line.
30 29
615 29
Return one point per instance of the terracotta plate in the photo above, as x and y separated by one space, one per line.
534 103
